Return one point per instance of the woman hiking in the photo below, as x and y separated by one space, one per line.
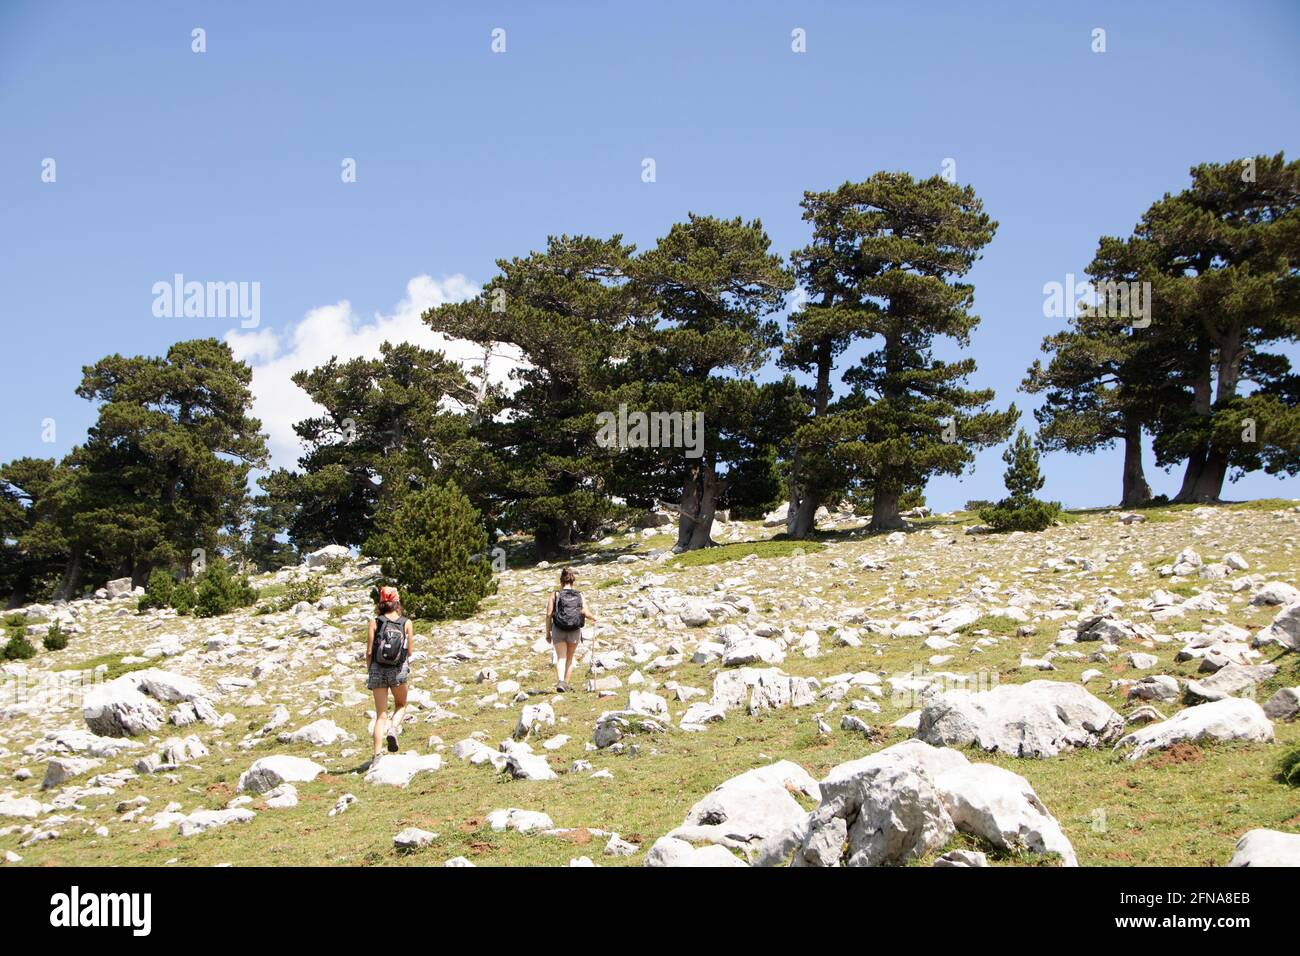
566 612
388 653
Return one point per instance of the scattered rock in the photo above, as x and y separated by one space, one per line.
1233 718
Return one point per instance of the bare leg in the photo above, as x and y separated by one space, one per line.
399 709
570 652
381 716
558 649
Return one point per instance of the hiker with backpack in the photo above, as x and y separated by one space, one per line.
388 653
566 612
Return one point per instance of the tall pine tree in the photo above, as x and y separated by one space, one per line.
708 287
567 310
908 415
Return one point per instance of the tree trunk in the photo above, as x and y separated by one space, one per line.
552 538
801 518
1209 482
699 502
1136 490
1201 405
70 581
884 508
1192 474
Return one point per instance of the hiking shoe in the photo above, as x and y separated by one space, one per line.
562 687
392 742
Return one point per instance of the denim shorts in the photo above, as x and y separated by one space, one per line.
380 676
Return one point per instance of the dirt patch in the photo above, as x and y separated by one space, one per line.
579 836
218 790
1181 752
478 849
470 825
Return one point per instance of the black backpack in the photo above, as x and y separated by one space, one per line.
567 613
390 642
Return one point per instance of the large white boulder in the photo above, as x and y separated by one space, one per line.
755 808
118 587
1234 680
1233 718
62 769
890 810
322 556
1285 629
22 808
1037 719
522 766
534 719
1275 592
669 851
267 773
908 800
760 689
1002 808
200 821
398 770
166 686
119 709
521 821
1267 848
319 733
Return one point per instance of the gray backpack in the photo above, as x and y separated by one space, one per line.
567 613
390 642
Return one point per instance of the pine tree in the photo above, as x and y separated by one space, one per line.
390 424
707 287
1022 477
433 547
565 312
1221 259
163 470
1021 510
908 415
1104 380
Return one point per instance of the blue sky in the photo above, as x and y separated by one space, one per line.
225 165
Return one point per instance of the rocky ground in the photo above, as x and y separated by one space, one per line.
1116 690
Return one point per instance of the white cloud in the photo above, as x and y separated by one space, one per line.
335 330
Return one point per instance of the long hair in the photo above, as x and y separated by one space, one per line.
567 577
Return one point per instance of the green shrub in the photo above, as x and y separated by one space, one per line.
434 548
184 596
18 648
310 589
158 592
1020 510
1288 768
55 639
1010 514
218 591
334 565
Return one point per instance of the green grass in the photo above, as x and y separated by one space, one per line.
993 623
723 553
113 665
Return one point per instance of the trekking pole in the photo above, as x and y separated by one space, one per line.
591 655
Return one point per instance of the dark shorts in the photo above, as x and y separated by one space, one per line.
559 636
380 676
